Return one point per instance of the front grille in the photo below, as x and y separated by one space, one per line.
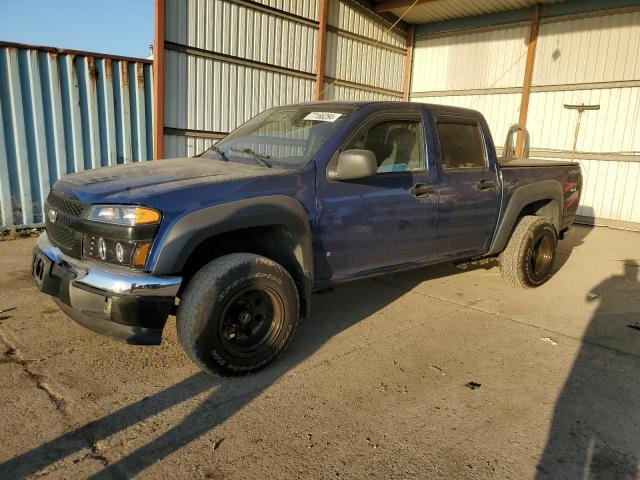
63 232
66 205
67 240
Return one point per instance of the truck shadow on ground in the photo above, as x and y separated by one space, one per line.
223 397
226 397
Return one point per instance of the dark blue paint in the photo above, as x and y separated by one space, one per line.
360 227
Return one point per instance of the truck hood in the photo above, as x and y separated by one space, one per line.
134 182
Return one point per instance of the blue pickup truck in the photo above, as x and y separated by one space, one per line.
298 199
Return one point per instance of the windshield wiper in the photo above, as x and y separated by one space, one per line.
260 157
217 150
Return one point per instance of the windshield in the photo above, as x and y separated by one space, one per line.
283 136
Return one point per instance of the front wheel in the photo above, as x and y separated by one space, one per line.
528 258
237 314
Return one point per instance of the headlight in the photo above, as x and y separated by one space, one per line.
127 241
124 215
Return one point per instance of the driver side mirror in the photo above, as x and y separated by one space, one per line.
354 164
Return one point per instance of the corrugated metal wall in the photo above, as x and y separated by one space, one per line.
593 60
482 70
590 59
364 61
228 60
63 112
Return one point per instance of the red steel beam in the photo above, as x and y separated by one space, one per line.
528 76
158 79
406 76
321 47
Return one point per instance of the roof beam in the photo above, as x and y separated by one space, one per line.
158 81
368 7
388 5
321 47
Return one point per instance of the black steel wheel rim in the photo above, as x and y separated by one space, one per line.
541 258
249 320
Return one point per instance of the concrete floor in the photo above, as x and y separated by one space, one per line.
372 386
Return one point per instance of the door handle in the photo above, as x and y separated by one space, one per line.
485 184
421 190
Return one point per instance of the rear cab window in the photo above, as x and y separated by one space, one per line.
462 144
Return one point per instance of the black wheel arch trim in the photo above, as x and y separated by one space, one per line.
523 196
191 230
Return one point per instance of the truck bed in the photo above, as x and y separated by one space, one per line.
532 162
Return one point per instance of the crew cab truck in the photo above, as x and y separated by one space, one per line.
296 200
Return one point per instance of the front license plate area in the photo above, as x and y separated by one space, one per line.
40 268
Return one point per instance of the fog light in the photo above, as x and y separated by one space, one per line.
102 249
119 252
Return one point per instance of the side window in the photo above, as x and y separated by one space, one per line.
397 144
461 145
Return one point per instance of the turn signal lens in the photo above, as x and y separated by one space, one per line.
140 255
146 215
124 215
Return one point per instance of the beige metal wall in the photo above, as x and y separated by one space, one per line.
228 60
590 59
481 69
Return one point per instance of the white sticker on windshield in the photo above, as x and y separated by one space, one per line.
323 116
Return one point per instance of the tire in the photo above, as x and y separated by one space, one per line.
237 314
527 260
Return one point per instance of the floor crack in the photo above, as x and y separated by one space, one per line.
11 355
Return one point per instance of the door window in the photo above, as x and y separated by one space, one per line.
397 145
461 145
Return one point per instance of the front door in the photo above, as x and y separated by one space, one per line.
384 220
468 188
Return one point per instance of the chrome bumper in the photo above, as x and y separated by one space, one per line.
108 279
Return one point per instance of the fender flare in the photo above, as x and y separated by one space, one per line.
189 231
523 196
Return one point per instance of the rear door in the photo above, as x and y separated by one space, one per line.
468 187
384 220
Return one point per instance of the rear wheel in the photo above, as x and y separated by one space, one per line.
237 314
529 256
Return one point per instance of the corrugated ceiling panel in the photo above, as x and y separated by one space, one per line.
346 16
500 110
62 113
592 49
360 62
488 59
232 29
614 128
449 9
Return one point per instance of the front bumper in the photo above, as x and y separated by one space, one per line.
127 305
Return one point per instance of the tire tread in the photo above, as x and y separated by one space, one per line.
511 264
190 308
